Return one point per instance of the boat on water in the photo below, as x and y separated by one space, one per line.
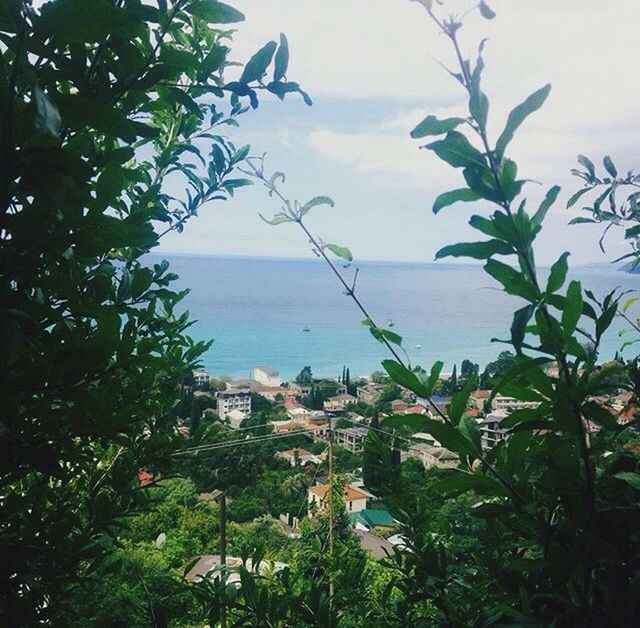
306 329
418 347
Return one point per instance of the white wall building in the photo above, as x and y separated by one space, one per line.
266 376
490 429
355 498
201 377
233 399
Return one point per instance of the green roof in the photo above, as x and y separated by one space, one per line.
372 517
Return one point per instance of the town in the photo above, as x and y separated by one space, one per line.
298 424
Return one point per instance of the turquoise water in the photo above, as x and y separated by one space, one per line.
256 310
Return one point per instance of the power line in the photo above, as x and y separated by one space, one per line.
236 443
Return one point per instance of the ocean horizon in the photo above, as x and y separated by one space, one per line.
256 310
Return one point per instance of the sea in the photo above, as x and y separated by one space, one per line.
288 313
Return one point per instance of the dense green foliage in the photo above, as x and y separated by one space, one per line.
109 123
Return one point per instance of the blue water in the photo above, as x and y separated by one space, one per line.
256 309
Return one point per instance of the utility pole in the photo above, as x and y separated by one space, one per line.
223 555
330 518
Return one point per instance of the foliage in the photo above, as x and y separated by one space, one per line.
557 503
103 104
380 461
305 376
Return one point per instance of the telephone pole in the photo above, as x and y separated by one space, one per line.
330 504
223 555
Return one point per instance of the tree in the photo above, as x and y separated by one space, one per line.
305 376
468 369
103 103
380 460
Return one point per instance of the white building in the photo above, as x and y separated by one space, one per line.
266 376
299 456
369 394
351 438
355 498
509 403
235 418
233 399
338 403
490 429
201 377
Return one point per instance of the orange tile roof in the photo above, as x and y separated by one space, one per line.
349 491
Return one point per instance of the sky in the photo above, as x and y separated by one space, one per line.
372 69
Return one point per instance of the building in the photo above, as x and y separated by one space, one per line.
432 455
299 456
355 499
369 394
233 399
510 403
490 429
300 390
209 566
338 403
373 518
266 376
201 378
235 418
399 405
295 410
478 398
351 438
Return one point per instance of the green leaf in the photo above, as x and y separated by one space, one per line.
524 415
48 118
521 319
402 376
518 115
276 220
447 435
213 62
476 250
215 12
558 273
608 164
469 428
628 303
599 415
579 220
457 151
575 197
66 20
486 11
281 62
380 333
481 181
521 367
256 67
513 281
484 225
449 198
572 308
588 164
341 251
459 400
432 126
434 375
632 479
316 200
546 204
462 482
